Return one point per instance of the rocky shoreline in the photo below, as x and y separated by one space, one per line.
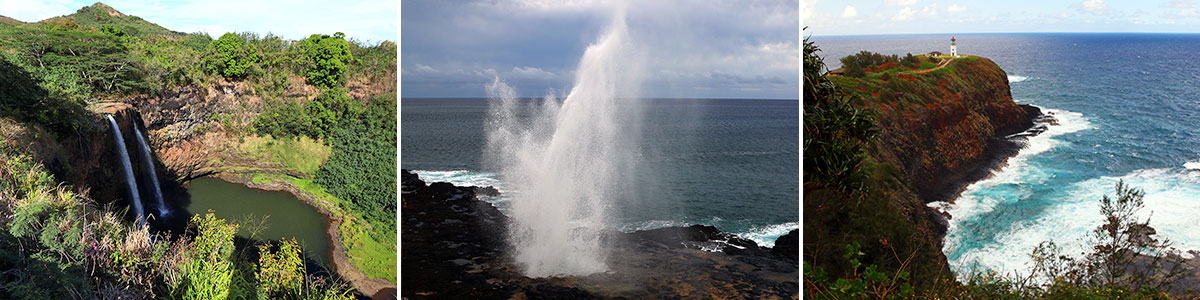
376 288
453 247
1005 146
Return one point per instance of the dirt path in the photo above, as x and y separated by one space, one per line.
940 65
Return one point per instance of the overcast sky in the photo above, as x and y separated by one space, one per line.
691 48
366 20
856 17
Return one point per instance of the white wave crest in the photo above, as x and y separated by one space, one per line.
1016 78
1170 203
766 235
1192 165
460 177
1015 171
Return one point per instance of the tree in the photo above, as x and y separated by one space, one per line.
233 58
329 56
1124 254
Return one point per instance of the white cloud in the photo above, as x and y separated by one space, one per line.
849 12
955 8
529 73
929 10
373 20
1096 7
1180 9
904 14
810 8
33 11
900 2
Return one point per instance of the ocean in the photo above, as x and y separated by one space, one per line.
729 163
1128 107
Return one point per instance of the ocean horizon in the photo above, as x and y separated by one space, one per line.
1126 106
729 163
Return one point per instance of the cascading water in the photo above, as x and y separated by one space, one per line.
154 187
129 179
571 160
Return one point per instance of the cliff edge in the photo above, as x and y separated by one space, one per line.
892 141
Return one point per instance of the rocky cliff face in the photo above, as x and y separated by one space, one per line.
941 127
937 132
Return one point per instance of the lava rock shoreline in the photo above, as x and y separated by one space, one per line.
453 246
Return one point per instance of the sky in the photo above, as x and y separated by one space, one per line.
862 17
688 48
365 20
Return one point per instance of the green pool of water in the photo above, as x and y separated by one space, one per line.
278 214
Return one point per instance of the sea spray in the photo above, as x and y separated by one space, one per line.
128 167
149 163
572 158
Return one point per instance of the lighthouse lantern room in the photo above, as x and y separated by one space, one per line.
953 48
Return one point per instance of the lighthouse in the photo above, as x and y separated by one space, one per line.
953 48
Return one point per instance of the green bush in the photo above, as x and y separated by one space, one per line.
362 168
329 56
231 56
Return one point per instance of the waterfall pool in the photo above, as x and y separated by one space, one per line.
285 216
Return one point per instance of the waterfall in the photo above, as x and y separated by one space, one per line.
571 159
154 187
133 191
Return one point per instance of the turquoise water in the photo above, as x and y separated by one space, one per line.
733 164
1128 106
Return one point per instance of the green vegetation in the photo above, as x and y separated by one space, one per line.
1125 262
302 154
362 168
329 56
52 72
231 57
864 63
58 244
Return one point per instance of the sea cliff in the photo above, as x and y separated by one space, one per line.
932 132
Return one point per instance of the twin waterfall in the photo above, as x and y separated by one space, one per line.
131 180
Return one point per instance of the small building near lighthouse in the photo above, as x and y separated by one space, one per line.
953 47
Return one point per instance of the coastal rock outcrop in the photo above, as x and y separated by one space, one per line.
453 246
935 132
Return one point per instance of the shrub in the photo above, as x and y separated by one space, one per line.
232 57
362 168
329 56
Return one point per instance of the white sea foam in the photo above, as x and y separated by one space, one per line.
460 177
1170 203
765 236
1192 165
1016 78
1015 171
1007 256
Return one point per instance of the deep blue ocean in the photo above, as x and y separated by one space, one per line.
733 164
1128 107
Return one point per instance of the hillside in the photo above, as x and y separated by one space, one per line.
310 117
880 146
104 17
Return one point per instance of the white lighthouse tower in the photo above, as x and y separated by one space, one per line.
953 48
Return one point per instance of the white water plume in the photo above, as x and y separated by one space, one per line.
572 159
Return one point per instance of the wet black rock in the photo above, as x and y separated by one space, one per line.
453 246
